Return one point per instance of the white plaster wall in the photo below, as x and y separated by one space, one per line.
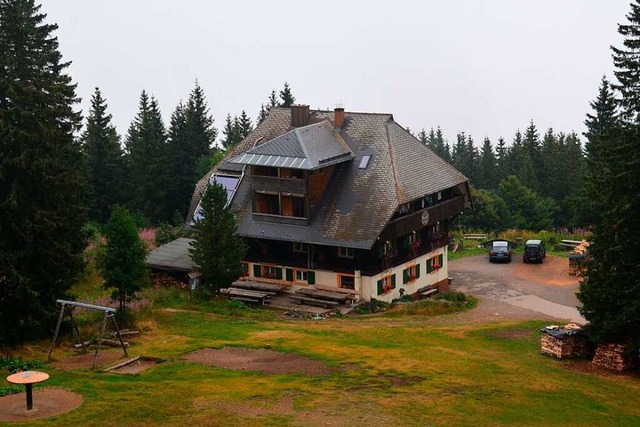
370 283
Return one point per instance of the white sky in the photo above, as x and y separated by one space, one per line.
486 67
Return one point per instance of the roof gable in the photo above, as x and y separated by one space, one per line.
309 147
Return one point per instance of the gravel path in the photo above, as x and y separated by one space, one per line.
516 290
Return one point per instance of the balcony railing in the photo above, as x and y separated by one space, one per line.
280 185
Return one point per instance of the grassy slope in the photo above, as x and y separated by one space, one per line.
443 375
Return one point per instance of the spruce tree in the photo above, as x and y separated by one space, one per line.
245 127
41 184
178 159
191 137
600 124
103 159
610 293
286 97
122 263
147 162
627 64
487 169
216 249
531 145
501 157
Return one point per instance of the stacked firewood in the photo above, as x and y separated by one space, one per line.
614 357
166 280
564 341
578 258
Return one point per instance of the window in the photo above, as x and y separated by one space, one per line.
229 183
292 206
245 269
345 252
364 162
301 276
386 284
300 247
267 203
388 247
346 281
435 263
411 274
269 272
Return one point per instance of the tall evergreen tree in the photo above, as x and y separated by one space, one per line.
41 186
245 125
147 162
501 157
600 124
191 137
531 145
104 160
626 61
286 97
487 169
610 293
217 249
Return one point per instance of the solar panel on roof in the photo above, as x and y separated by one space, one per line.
228 182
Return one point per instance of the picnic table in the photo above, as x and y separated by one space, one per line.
28 378
323 295
255 286
246 295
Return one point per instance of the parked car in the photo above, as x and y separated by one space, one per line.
534 250
500 251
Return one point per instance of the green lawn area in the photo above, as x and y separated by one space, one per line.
406 370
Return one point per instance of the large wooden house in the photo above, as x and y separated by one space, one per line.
342 200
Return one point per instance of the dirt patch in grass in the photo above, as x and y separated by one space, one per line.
85 361
47 402
137 365
263 360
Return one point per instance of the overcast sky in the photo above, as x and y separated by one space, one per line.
485 67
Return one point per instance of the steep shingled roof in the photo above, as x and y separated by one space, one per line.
360 202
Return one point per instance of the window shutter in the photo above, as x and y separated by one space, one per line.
405 242
429 266
256 270
278 273
440 259
311 277
405 276
289 274
393 281
417 271
380 287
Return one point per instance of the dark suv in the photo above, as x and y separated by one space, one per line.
534 250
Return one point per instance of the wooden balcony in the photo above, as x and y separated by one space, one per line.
413 221
279 185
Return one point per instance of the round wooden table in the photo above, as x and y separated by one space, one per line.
28 378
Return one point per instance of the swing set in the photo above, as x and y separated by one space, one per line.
66 306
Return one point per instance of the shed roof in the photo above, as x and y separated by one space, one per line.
174 256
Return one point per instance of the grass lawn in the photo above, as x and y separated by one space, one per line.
403 370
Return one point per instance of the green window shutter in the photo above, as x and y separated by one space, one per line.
393 281
417 271
256 270
289 274
405 242
278 273
429 266
405 276
311 277
380 287
394 244
441 259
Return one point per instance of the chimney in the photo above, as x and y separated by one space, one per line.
339 117
299 115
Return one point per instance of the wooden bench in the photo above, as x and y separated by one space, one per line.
565 246
429 292
250 299
314 301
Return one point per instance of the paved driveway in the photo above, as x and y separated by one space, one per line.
545 288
